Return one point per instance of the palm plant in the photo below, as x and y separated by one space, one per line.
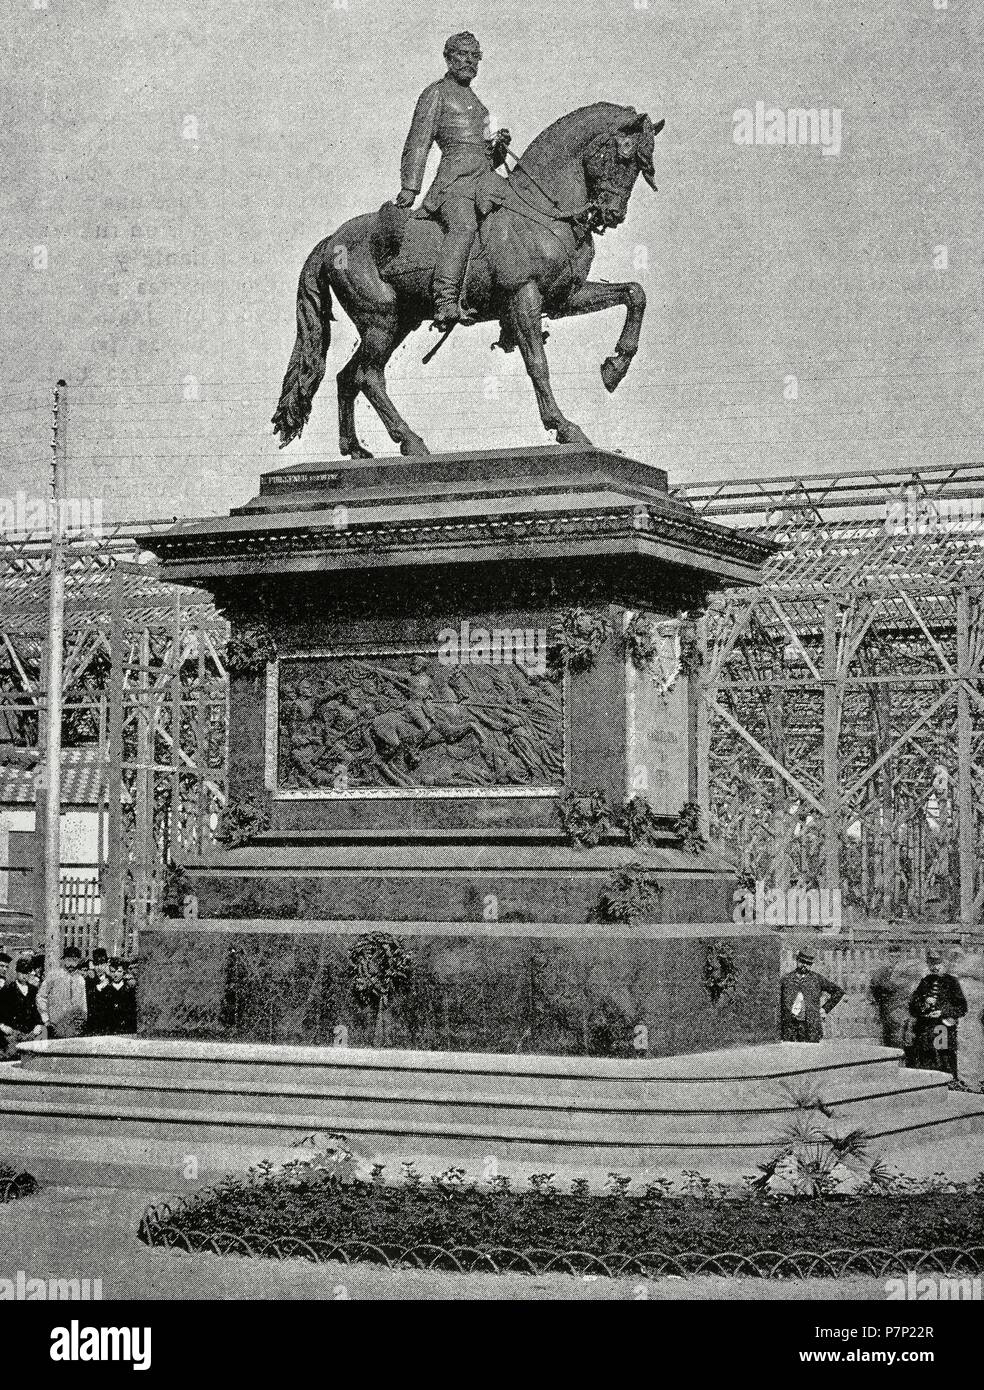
811 1158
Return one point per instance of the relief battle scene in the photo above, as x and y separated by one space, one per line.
405 721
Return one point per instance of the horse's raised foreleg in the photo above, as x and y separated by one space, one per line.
348 389
591 298
522 320
379 342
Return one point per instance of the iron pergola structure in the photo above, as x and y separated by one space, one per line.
841 704
841 729
144 682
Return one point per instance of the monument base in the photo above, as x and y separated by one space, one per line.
128 1111
463 729
498 987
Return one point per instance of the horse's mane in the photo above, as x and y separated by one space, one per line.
570 134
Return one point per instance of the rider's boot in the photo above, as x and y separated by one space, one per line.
448 311
449 280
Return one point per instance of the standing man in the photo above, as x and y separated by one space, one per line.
449 112
805 1000
97 966
19 1017
117 1006
937 1003
62 997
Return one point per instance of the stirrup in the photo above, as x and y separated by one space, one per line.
446 316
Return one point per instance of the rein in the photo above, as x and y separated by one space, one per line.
560 215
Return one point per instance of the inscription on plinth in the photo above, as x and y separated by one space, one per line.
399 722
657 720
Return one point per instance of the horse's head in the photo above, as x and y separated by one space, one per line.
612 163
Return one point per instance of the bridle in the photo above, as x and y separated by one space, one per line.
589 218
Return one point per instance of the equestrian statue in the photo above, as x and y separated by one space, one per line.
480 248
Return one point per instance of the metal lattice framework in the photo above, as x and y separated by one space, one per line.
842 702
842 731
144 683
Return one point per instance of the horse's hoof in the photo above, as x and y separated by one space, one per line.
414 448
357 452
613 371
572 434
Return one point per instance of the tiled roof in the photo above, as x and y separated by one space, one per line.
89 565
81 770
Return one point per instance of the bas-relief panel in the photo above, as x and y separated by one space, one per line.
401 723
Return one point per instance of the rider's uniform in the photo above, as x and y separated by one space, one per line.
454 117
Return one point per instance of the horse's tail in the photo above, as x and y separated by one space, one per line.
306 368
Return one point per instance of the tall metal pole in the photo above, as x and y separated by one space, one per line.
112 925
965 763
56 634
831 761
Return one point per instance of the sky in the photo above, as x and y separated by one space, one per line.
167 167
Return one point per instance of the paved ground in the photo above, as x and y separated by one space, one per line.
91 1232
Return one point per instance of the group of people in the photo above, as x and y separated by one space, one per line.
936 1005
95 997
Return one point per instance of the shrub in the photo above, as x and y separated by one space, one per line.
451 1211
14 1184
631 893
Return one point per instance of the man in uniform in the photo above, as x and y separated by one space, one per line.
449 112
937 1003
805 1000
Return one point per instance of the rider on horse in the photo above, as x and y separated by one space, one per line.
451 114
575 180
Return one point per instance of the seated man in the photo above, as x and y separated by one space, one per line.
451 114
19 1017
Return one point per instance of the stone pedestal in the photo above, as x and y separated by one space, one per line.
448 677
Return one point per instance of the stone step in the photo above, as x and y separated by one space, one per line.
851 1099
946 1115
402 1139
132 1108
705 1080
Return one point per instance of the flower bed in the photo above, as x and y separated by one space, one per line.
453 1223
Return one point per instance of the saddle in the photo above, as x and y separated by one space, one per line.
392 222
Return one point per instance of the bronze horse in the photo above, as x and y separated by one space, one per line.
531 257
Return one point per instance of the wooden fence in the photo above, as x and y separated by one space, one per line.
79 906
851 965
